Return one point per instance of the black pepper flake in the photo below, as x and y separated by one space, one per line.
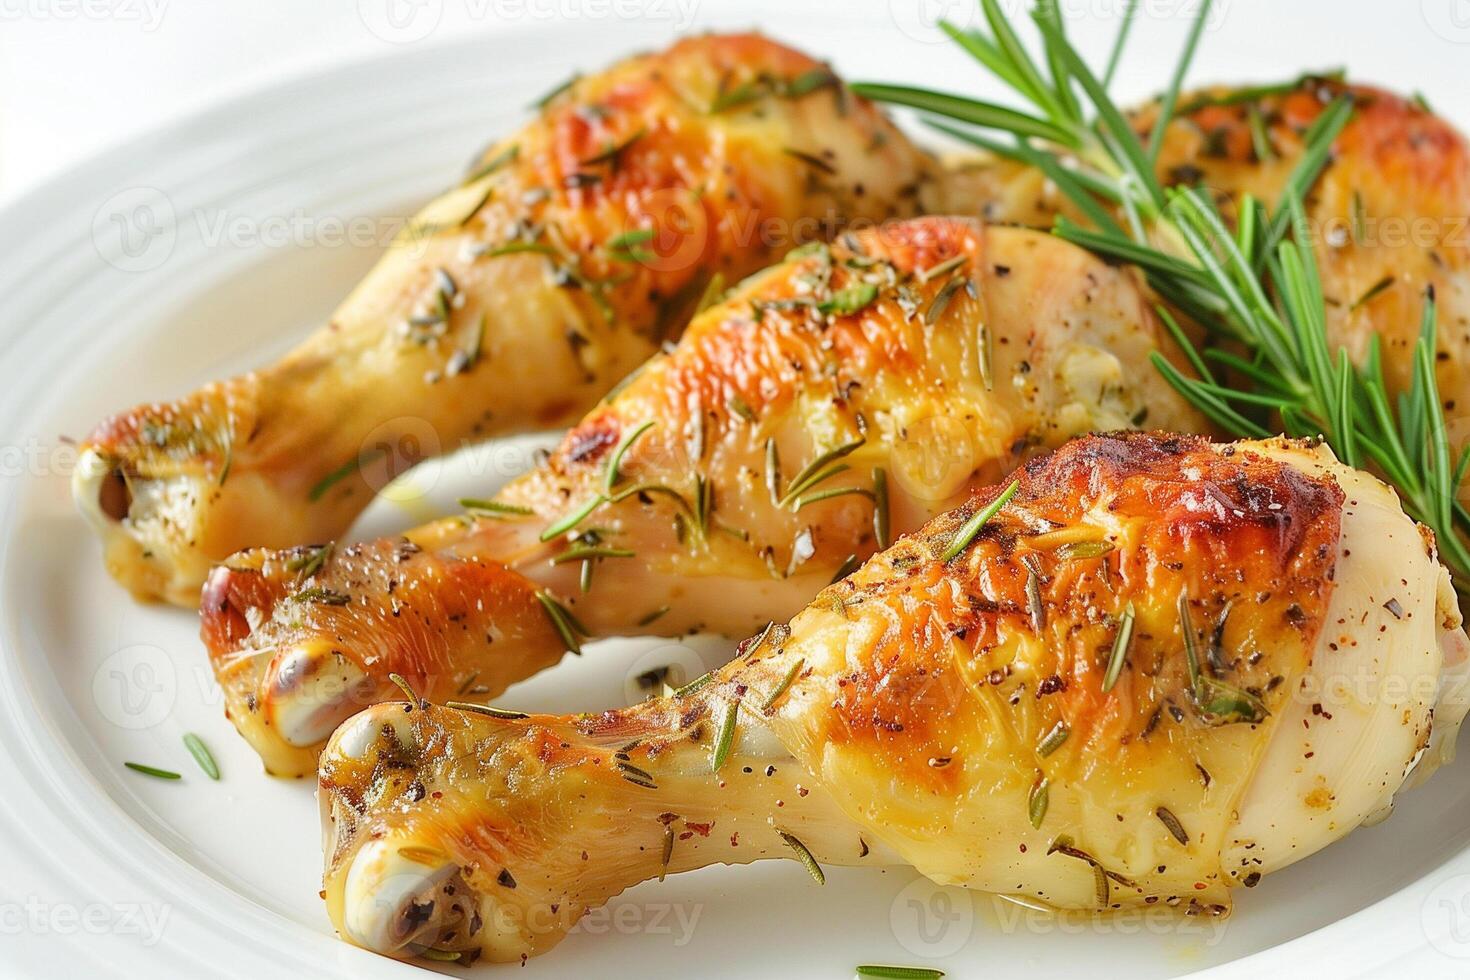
505 879
1396 610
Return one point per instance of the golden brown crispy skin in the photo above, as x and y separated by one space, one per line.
940 681
922 707
930 382
574 246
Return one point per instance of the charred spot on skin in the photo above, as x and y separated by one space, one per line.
588 442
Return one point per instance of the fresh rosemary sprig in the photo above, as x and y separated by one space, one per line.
1250 281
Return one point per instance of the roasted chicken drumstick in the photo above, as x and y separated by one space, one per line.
836 400
511 303
1151 670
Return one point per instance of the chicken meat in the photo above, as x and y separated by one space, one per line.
1149 671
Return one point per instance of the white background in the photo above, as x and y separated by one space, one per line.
78 75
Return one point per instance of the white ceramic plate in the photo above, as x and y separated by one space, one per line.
208 247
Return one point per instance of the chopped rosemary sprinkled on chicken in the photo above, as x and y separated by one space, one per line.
966 534
1121 641
804 856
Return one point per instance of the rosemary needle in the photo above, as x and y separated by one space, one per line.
565 624
572 519
408 692
780 688
804 856
1119 653
488 508
881 532
879 972
610 480
966 534
504 714
153 771
201 755
725 740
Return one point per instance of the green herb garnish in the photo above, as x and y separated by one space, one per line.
881 533
484 507
566 625
850 300
804 856
611 476
573 518
493 164
613 151
201 755
1171 822
1121 641
725 738
966 534
320 488
1220 703
791 674
1038 800
484 709
1053 739
814 473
